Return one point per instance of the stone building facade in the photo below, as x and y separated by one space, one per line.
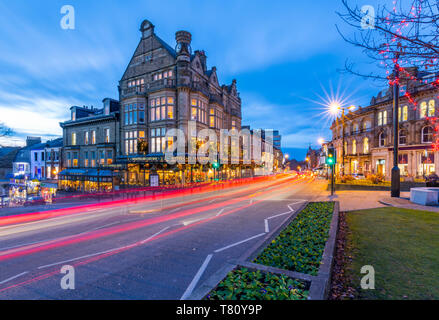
162 88
368 132
90 145
165 88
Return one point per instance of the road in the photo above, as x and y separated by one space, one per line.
159 247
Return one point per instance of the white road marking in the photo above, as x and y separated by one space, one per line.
106 225
154 235
240 242
102 252
197 277
220 212
14 277
279 215
267 229
78 258
189 222
175 209
298 201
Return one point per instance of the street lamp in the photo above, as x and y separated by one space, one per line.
335 107
395 186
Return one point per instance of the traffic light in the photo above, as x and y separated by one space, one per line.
216 165
331 158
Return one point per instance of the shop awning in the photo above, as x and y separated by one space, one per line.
87 172
102 173
72 172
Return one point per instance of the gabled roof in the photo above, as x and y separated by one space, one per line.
166 46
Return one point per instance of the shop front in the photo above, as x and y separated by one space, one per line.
146 170
427 166
88 180
20 188
48 191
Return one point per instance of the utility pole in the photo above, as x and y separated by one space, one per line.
395 182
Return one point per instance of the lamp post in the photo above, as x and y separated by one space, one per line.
335 108
395 186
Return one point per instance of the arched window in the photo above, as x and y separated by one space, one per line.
427 134
381 140
354 146
423 110
402 137
366 145
345 147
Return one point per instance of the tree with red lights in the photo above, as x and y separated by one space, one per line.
403 38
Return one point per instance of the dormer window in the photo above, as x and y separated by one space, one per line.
73 115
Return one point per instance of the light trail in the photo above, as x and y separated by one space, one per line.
138 243
69 240
33 216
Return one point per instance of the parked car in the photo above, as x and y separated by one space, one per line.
33 201
358 176
432 180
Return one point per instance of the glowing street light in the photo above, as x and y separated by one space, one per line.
321 141
334 108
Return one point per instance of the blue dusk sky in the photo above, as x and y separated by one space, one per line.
284 54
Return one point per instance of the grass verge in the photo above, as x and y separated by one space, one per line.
403 247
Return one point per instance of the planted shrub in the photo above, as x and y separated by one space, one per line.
346 178
245 284
299 247
375 178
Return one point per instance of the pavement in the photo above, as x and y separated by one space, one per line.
404 202
150 248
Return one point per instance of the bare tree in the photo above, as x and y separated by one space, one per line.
406 35
5 131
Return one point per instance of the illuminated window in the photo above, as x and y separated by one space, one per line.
423 110
170 112
431 110
86 138
382 119
109 156
141 134
93 137
74 139
366 145
404 115
354 146
194 113
107 135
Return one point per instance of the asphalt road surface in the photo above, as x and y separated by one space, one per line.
159 247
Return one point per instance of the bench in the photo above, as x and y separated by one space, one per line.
425 196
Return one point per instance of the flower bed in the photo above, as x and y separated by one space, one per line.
245 284
299 247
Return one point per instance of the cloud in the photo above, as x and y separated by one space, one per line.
299 124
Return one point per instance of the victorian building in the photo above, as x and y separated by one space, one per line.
364 138
91 141
162 88
165 88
